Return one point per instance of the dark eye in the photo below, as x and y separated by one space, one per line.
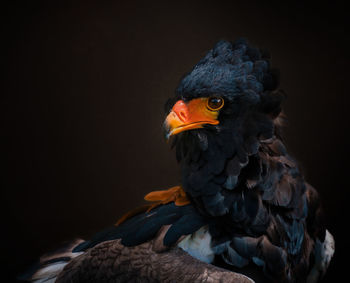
215 103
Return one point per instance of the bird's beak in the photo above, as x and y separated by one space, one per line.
187 116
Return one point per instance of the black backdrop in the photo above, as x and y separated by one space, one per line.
82 107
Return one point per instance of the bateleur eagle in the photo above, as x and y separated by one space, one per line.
242 203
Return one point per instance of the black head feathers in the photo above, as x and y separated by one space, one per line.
231 70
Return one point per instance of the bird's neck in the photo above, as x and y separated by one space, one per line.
216 166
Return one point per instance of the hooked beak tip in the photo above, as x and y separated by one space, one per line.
167 131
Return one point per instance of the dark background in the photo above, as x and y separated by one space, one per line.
82 107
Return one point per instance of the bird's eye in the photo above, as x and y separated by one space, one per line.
215 103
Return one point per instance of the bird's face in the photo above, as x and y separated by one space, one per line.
193 114
222 96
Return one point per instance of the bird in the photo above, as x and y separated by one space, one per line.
242 204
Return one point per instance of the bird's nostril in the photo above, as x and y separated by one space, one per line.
180 109
182 115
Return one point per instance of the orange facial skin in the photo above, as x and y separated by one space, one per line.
192 115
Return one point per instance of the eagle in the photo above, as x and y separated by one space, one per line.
242 208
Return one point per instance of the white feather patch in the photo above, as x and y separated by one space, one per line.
323 255
49 273
198 245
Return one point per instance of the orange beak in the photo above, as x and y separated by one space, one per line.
187 116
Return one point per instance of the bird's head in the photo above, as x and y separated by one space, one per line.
215 96
230 92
